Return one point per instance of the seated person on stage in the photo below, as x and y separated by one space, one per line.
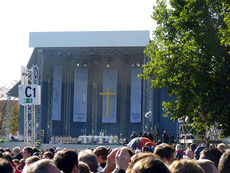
115 139
111 139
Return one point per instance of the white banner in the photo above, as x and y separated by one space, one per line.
29 94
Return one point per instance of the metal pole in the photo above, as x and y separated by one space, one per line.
8 107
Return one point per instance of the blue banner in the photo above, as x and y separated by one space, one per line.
57 90
135 108
80 95
109 110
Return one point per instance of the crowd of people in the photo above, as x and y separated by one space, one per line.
162 157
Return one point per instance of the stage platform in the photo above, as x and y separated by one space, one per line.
70 146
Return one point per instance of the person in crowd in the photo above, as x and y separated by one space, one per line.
31 160
185 166
36 151
83 168
148 144
166 153
224 162
165 137
66 160
48 155
22 164
193 147
190 151
27 152
42 166
17 163
198 150
89 158
118 160
212 154
133 135
5 166
179 151
207 165
122 159
8 157
101 152
17 153
145 163
145 134
146 149
222 147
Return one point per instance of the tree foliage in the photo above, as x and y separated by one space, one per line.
14 112
189 54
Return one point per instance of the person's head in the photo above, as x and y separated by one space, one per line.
89 158
83 168
146 149
27 152
212 154
207 165
178 147
7 156
148 165
66 160
16 150
5 166
135 158
16 162
31 160
185 166
192 146
224 162
134 133
101 152
222 147
166 153
48 155
148 144
8 150
189 154
42 166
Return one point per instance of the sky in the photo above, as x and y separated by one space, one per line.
18 18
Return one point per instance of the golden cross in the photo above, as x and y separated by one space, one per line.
107 100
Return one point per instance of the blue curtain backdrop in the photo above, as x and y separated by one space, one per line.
109 110
80 95
135 108
57 88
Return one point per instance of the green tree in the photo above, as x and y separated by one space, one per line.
14 118
189 55
14 112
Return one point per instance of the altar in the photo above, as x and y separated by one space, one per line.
86 139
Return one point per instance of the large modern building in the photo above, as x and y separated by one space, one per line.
89 83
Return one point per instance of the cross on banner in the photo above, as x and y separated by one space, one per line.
107 100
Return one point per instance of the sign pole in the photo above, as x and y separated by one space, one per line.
29 97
